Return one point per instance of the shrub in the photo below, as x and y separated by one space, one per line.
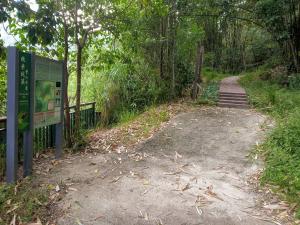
287 134
209 94
294 81
123 89
2 87
276 75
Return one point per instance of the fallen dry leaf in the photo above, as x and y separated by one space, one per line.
146 182
57 188
16 206
72 189
115 179
177 155
276 207
199 211
13 221
210 192
38 222
186 187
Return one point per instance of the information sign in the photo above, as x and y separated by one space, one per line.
48 92
34 99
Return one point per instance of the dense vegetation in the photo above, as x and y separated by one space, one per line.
138 53
127 55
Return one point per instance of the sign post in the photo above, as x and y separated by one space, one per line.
12 120
29 132
35 99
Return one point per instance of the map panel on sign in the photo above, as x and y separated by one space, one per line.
48 92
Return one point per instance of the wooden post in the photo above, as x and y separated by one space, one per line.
198 69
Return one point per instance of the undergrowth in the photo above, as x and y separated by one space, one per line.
209 93
210 86
139 127
282 147
210 75
23 202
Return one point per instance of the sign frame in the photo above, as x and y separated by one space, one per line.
13 85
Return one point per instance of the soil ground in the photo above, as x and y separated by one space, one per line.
194 171
231 85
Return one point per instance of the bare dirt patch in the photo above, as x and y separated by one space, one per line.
194 171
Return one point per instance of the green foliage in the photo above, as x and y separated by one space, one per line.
209 93
210 86
4 14
287 135
272 12
270 96
2 86
281 18
127 116
210 74
282 148
120 86
294 81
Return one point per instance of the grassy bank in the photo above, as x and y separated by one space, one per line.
282 148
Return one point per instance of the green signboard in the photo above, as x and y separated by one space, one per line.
48 92
34 99
24 91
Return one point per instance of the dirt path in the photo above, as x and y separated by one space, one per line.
194 171
231 85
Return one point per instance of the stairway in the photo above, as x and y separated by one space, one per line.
233 100
231 94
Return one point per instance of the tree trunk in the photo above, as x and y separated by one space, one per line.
198 69
78 92
66 96
162 34
172 46
173 69
294 55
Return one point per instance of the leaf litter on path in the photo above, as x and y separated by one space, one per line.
115 179
186 187
177 156
209 192
199 211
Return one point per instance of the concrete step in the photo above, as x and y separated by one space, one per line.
232 94
234 101
231 105
232 98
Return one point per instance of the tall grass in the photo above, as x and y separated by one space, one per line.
122 90
210 75
282 148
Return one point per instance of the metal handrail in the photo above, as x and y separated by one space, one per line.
4 118
82 105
